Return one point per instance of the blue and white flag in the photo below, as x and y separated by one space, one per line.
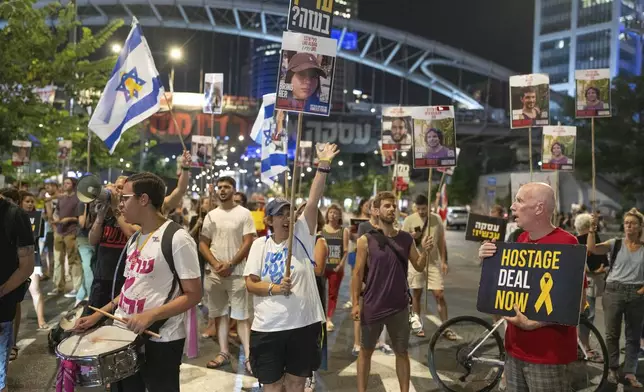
132 94
273 138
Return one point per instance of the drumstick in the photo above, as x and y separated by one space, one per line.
110 315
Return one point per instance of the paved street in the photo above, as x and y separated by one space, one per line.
35 369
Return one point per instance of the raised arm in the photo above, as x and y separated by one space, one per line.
173 200
325 157
597 249
419 260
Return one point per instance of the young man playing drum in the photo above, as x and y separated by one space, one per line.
148 283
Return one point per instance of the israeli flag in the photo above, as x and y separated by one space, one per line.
273 139
132 94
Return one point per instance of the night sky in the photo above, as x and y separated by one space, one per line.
498 30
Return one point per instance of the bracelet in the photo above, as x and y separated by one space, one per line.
185 168
270 289
324 170
325 160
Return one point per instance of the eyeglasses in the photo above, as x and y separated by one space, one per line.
631 223
125 198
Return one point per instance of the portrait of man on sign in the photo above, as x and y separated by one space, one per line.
396 133
529 99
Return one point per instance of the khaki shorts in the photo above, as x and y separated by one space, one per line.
222 293
416 280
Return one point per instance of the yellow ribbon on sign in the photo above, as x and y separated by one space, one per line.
544 298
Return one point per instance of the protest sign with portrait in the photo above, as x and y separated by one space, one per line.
529 100
311 17
64 150
305 153
306 73
397 129
558 148
20 152
592 98
485 228
434 137
213 93
544 280
201 150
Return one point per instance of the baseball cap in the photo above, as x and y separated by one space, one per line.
304 61
275 205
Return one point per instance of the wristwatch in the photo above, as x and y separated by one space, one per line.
270 289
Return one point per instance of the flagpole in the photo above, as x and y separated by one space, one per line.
592 147
291 222
174 120
429 233
530 149
212 160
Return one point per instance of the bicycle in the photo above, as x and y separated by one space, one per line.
472 355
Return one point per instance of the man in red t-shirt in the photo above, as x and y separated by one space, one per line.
538 352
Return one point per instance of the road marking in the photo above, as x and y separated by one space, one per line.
24 343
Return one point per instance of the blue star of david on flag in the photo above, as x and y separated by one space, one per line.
274 161
133 91
130 84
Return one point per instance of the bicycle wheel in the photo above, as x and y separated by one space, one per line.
589 372
472 362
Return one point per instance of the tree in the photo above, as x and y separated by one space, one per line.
463 187
38 53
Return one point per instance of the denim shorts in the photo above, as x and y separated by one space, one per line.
6 343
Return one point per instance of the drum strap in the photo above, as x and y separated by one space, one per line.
166 249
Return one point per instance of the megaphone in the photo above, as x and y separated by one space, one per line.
89 189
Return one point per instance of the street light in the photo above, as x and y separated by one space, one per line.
116 48
175 55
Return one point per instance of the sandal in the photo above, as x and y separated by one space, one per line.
216 364
450 335
421 334
249 369
633 382
14 353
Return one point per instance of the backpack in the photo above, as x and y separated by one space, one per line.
166 250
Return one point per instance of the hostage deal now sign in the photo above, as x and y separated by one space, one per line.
545 280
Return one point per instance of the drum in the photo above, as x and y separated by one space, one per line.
64 328
104 355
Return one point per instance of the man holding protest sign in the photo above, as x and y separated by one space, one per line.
538 352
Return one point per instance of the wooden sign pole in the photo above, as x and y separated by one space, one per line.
291 223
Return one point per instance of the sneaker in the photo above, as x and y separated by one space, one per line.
348 305
71 294
386 349
355 351
54 292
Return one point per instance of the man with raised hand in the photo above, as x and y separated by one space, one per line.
538 352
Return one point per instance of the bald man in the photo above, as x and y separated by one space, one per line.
538 352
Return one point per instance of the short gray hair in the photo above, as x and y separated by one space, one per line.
583 222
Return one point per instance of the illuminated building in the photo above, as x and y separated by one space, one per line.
586 34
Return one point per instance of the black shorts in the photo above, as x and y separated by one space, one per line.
159 372
294 351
